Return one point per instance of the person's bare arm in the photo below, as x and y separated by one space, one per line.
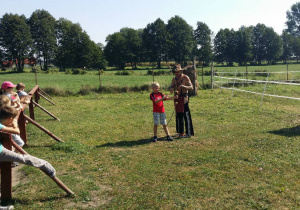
13 129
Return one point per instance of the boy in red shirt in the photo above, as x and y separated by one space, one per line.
159 110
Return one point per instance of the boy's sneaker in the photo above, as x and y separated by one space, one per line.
48 169
14 164
169 138
154 139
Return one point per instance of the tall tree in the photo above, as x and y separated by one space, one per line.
293 20
225 46
244 46
267 44
75 48
288 41
43 30
155 37
259 43
64 58
202 36
96 56
296 47
220 44
181 42
115 50
15 38
133 44
274 47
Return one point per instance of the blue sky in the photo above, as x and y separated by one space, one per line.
100 18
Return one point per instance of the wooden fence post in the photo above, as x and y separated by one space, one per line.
6 172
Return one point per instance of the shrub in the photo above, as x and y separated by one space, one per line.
78 71
124 72
55 91
159 72
85 90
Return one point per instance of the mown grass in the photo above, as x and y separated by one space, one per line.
243 156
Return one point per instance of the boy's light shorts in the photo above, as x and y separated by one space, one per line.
159 117
18 139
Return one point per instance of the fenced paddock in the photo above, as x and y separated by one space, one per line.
241 157
273 84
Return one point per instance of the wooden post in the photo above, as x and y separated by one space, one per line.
287 71
42 128
100 78
45 98
153 73
39 106
202 76
57 181
246 71
35 74
212 75
44 92
6 172
22 126
31 109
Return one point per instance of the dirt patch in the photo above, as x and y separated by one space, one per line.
18 175
95 200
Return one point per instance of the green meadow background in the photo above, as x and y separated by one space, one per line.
244 155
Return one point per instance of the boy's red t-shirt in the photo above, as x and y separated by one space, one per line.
157 107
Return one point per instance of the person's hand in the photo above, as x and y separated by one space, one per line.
14 124
181 87
176 97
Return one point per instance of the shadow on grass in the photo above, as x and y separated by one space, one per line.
126 143
289 132
15 201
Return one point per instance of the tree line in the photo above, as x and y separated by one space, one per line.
176 40
59 42
66 45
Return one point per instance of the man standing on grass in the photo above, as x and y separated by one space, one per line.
181 84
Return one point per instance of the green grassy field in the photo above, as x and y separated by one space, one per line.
243 156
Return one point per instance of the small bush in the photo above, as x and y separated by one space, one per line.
261 73
56 91
159 72
85 90
124 72
78 71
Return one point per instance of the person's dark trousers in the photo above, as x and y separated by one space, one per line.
184 118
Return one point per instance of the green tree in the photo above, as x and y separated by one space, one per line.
267 44
225 46
181 41
259 43
43 30
154 38
244 46
274 46
296 47
15 38
115 50
288 41
220 46
96 56
75 48
202 36
293 20
133 45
